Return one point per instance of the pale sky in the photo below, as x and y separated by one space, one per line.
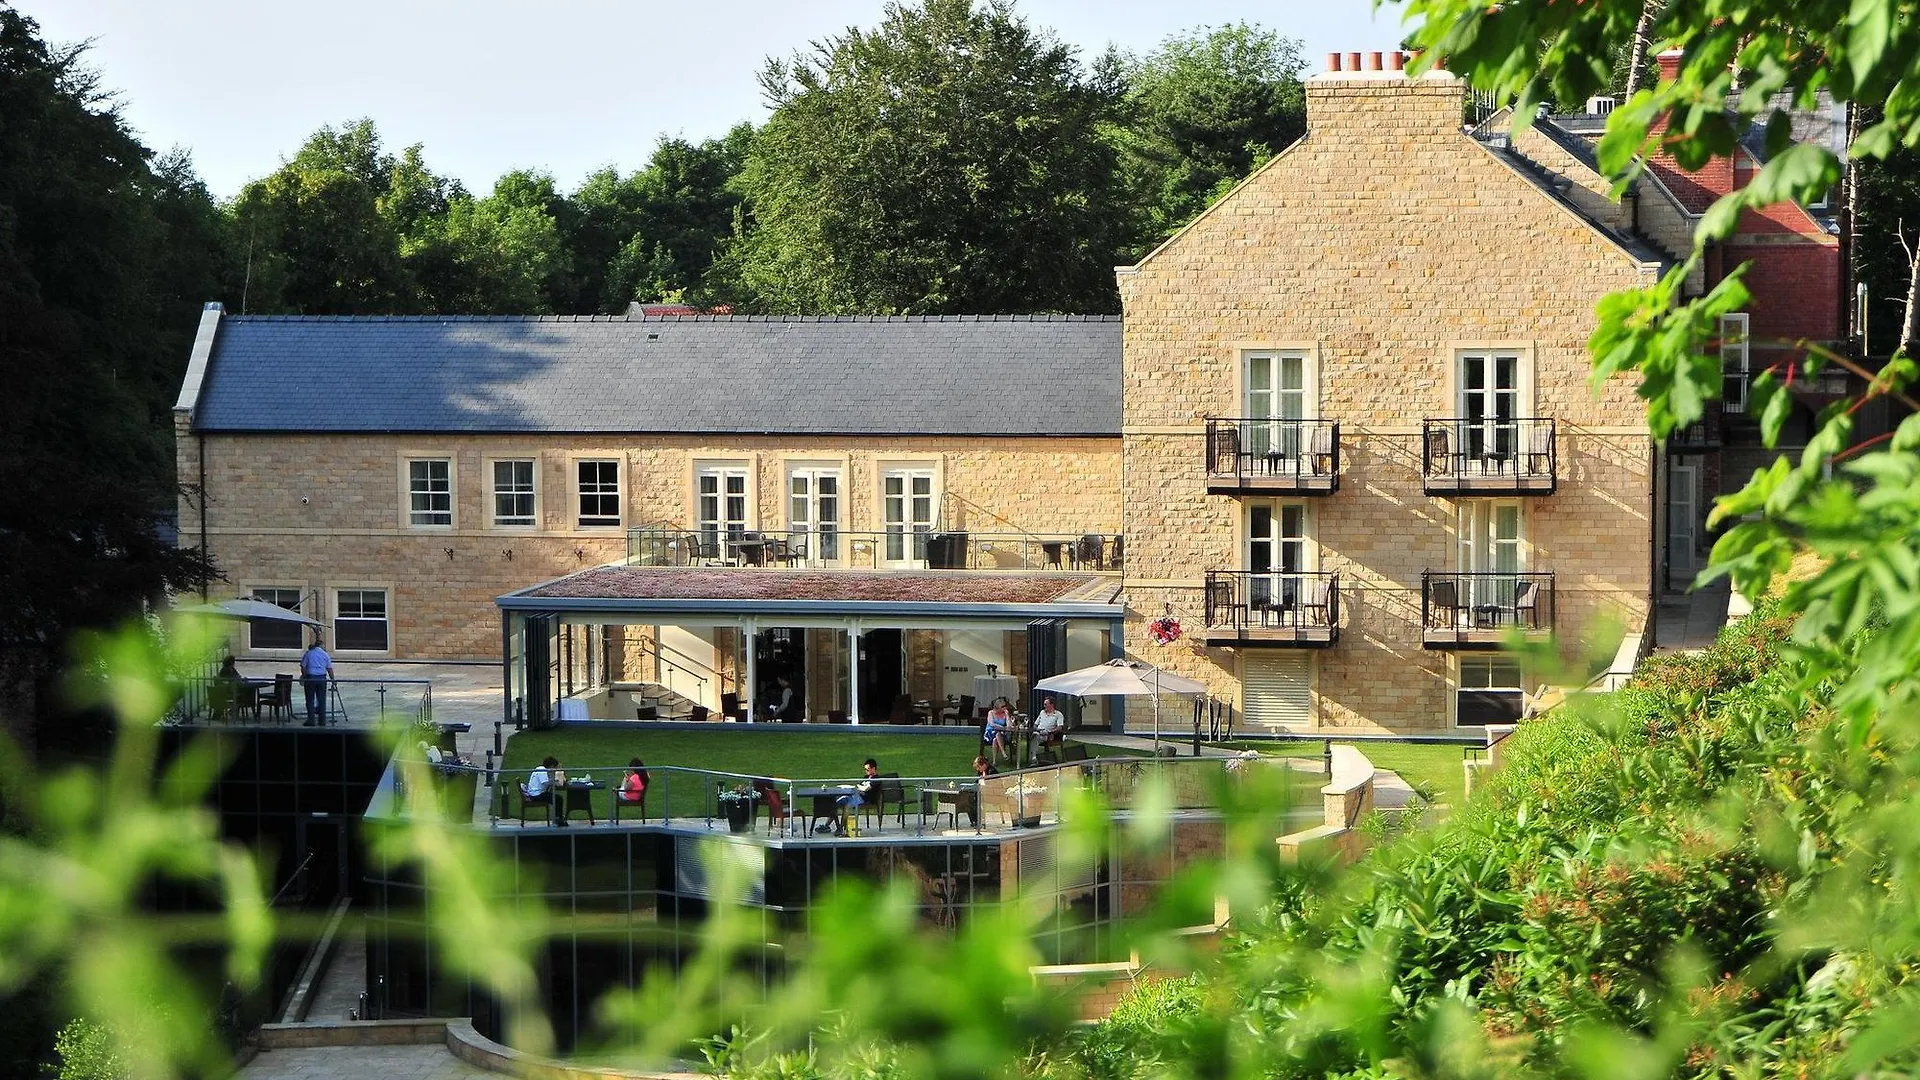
564 85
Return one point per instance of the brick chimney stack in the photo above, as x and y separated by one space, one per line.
1374 94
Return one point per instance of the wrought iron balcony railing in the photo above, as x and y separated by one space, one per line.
1460 610
1467 456
1272 455
1272 608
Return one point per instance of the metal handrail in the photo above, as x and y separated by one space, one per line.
1470 448
1281 599
862 549
1486 600
658 647
1273 448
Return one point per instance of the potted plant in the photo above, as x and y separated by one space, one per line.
736 803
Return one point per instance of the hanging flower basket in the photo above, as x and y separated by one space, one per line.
1164 630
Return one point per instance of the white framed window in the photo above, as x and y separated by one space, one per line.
1492 550
361 621
1489 691
907 508
275 633
430 493
1278 395
720 503
514 497
813 511
1278 553
1489 404
597 487
1734 361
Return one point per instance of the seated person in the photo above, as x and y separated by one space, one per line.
540 781
998 734
633 789
982 768
224 693
863 793
1050 727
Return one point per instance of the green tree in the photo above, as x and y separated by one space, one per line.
1203 111
950 160
500 255
103 264
317 239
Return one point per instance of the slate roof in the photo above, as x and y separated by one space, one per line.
865 375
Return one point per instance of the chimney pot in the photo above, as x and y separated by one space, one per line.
1399 60
1373 61
1353 61
1333 61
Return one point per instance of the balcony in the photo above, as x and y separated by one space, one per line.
838 549
1464 456
1255 609
1267 456
1478 610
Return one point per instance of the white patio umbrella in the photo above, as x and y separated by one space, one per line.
1123 678
249 609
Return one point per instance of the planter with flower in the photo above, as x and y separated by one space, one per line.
1164 630
736 805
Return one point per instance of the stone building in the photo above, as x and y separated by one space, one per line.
1343 433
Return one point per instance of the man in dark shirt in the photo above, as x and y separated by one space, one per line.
864 792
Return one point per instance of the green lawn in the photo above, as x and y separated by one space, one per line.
1419 764
604 752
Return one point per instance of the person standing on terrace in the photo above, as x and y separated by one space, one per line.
316 668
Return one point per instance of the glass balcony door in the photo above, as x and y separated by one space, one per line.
906 497
813 514
1276 403
1489 407
1491 553
1277 555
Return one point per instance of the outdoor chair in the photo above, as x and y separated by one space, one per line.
779 814
700 714
1320 449
1260 601
962 714
708 552
543 801
779 551
1055 553
1443 604
1226 452
1090 550
277 700
1540 450
902 710
890 791
619 803
1073 752
731 709
1319 602
646 712
967 802
836 716
1526 605
1439 452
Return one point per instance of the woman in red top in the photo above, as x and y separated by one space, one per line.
633 789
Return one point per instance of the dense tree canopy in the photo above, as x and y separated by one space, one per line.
1201 113
950 159
103 260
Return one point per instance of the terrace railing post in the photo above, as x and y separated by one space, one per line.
1326 757
496 738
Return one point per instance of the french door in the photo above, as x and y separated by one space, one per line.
1276 402
1683 523
1276 554
813 507
722 509
1489 406
906 497
1491 552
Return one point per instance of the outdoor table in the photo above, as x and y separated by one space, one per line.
933 797
826 803
988 687
749 552
246 694
579 797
